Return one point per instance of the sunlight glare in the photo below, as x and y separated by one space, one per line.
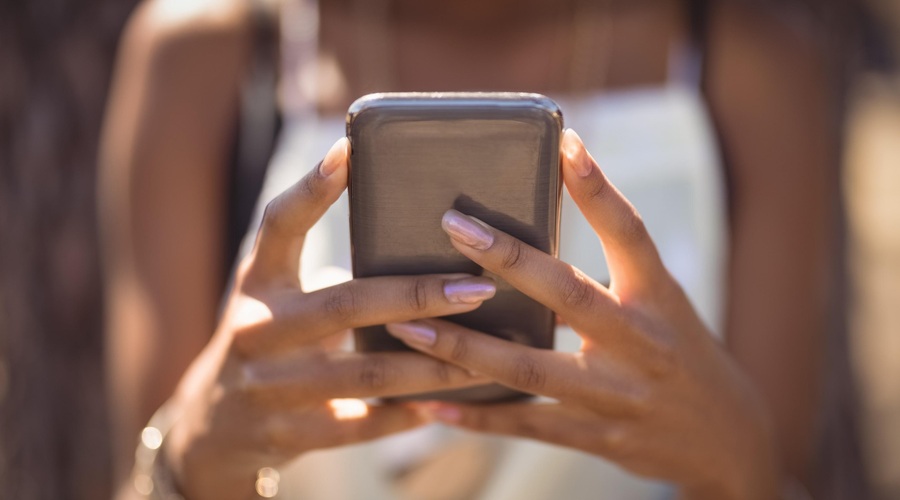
348 409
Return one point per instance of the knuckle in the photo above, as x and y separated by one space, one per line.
660 358
631 226
528 373
577 291
442 373
308 186
668 292
513 255
417 295
374 374
638 404
615 440
665 362
459 349
599 189
341 303
251 277
273 215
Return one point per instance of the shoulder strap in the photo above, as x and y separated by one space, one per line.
698 19
259 122
698 42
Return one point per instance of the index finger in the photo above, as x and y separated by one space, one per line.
323 376
514 365
559 375
550 281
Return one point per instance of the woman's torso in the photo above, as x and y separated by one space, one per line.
655 143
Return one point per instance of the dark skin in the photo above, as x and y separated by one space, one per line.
167 137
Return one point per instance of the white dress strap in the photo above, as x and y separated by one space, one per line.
299 56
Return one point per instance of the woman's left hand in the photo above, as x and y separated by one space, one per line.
650 388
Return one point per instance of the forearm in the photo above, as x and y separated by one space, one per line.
773 101
144 362
162 200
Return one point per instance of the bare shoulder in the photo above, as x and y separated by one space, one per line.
191 19
756 50
769 86
184 31
763 27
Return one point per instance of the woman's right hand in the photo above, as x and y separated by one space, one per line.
263 390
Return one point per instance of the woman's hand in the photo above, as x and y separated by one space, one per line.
268 388
650 388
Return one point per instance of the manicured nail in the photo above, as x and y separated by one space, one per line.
333 158
413 333
573 147
467 230
469 291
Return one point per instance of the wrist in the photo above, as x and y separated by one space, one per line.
748 471
200 473
151 477
787 489
761 488
201 469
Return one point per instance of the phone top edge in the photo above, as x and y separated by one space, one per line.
451 99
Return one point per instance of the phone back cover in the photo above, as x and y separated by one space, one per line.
492 156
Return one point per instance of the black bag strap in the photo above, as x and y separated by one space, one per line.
698 19
259 123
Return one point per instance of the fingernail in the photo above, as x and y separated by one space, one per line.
573 147
333 158
413 333
469 291
467 230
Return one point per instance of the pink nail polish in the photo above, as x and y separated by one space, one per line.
413 333
467 230
469 291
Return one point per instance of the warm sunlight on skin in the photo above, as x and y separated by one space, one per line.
180 9
251 311
348 409
581 361
171 12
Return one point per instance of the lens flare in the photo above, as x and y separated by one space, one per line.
348 409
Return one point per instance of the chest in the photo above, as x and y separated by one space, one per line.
350 48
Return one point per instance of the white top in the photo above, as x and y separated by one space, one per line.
655 144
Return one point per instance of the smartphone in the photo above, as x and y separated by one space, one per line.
494 156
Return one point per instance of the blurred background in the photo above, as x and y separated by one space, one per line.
56 58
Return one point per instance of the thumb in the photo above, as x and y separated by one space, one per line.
291 214
630 252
